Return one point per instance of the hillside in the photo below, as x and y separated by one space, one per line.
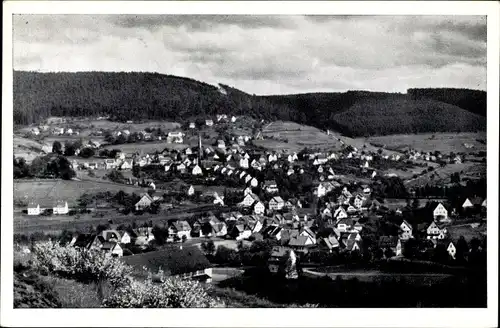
471 100
129 96
404 115
141 96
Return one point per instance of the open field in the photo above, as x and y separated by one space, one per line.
430 142
298 136
146 147
47 192
27 148
441 175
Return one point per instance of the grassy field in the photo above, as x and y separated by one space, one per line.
27 148
146 147
298 136
442 174
429 142
47 192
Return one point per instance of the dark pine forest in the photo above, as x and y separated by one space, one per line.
144 96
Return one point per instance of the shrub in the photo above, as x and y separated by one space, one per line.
172 293
80 264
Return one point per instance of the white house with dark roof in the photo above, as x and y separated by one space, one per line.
61 207
440 212
144 202
34 208
276 203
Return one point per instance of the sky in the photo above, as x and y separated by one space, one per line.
278 54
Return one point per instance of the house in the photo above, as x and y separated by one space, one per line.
344 225
359 200
196 170
244 163
240 231
272 157
184 262
88 241
353 245
181 168
331 242
35 131
112 248
218 200
175 137
406 230
440 212
259 208
279 259
110 163
127 165
452 249
190 191
192 125
247 191
483 204
254 182
392 243
61 208
221 144
179 230
320 190
271 186
307 232
209 122
144 202
301 243
249 199
122 237
142 236
276 203
340 213
436 231
33 209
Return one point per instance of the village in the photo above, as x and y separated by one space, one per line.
308 204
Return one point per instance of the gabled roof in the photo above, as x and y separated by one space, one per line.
298 241
277 199
181 225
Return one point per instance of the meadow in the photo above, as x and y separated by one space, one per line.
47 192
430 142
298 137
146 147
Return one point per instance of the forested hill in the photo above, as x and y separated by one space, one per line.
137 96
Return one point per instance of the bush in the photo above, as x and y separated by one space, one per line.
172 293
80 264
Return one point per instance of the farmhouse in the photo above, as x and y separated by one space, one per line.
143 203
112 248
276 203
440 212
259 208
196 170
61 208
271 186
117 236
436 231
406 230
33 209
179 230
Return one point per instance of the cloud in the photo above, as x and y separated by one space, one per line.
264 54
200 22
